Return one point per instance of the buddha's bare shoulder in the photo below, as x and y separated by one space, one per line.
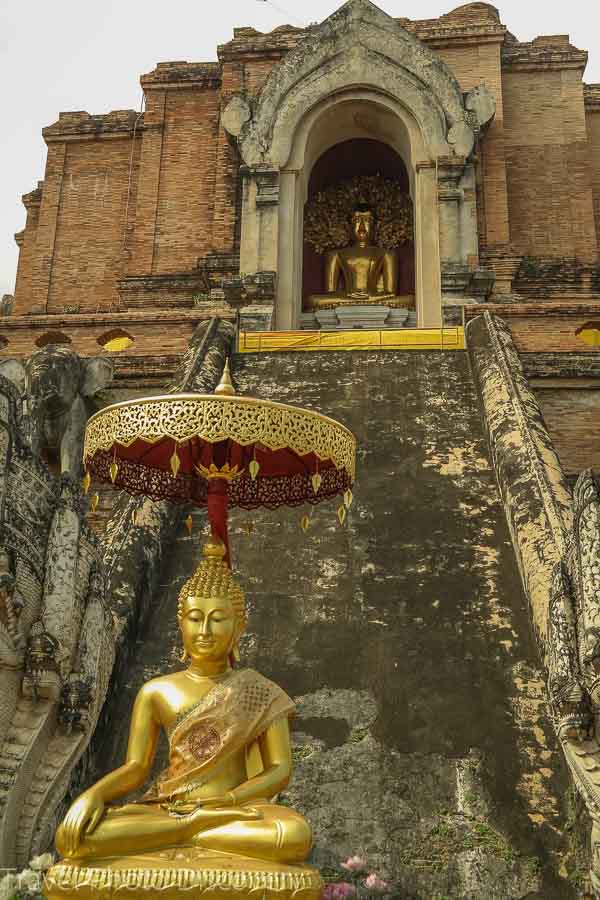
157 685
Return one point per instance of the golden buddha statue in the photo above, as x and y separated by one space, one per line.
210 816
370 273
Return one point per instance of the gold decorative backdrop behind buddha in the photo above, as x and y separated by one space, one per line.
357 226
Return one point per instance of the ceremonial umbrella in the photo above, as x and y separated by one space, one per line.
220 451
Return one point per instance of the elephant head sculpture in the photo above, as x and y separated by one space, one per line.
58 385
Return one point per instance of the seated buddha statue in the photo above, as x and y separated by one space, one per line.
229 756
369 273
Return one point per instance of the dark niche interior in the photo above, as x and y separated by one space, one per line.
360 156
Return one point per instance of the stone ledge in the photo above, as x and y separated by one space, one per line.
249 42
462 280
540 276
468 24
148 317
81 123
561 365
180 73
167 291
441 32
591 97
33 198
534 310
545 52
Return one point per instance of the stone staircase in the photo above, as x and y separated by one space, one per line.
23 748
422 739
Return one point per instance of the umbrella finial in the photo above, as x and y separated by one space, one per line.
225 387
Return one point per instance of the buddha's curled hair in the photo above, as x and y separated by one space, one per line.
213 578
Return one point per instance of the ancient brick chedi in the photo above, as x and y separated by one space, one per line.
150 221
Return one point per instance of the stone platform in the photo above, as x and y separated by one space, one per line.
370 316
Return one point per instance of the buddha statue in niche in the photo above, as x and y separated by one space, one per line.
369 273
229 756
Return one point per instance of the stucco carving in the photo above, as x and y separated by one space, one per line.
557 541
235 115
584 562
569 700
52 608
57 384
66 604
356 46
582 567
12 642
481 104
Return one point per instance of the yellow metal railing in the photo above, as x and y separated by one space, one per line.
392 339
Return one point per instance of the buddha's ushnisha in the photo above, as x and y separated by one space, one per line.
229 748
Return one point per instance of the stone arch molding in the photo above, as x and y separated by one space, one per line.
397 85
358 48
359 45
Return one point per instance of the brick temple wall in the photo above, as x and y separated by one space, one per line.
538 180
572 415
593 132
164 333
75 237
548 163
177 186
90 224
26 241
481 64
544 327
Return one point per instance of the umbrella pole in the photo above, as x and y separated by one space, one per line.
217 505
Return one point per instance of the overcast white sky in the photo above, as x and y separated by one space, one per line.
75 54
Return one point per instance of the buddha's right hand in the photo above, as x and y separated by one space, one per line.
83 816
203 819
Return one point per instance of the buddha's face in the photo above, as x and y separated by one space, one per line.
208 628
362 226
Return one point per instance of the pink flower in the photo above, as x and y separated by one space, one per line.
374 883
354 864
339 891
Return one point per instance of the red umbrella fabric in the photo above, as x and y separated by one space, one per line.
220 451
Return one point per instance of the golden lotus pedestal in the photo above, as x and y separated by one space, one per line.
182 872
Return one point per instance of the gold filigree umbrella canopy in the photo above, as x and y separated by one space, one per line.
221 451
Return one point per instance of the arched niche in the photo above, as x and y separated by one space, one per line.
52 337
345 160
357 75
356 115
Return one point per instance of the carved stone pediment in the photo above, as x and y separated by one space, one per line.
357 46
